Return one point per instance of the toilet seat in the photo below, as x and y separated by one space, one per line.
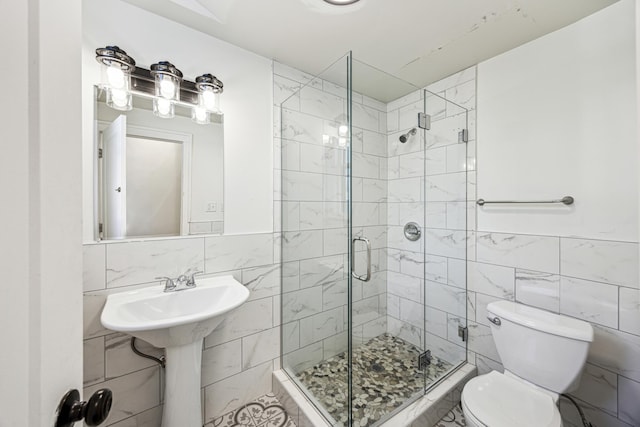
495 400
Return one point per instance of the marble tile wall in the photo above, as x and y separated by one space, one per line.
310 208
238 358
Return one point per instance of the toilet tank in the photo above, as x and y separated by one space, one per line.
546 349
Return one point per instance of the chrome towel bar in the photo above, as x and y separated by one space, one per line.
567 200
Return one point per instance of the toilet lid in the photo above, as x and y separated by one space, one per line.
499 401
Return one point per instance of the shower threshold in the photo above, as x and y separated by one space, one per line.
385 378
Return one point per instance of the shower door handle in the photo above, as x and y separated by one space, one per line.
367 276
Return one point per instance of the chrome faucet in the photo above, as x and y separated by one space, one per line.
180 283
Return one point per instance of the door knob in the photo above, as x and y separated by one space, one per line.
94 411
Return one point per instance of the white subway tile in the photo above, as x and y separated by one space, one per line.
591 301
137 262
538 253
630 310
601 261
225 253
260 347
93 267
538 289
221 361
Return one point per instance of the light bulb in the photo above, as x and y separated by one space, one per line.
115 77
164 106
119 97
167 88
200 115
343 130
209 100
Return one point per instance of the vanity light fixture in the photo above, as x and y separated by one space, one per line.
163 83
167 80
209 90
117 67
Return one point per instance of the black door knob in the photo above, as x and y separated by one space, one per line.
94 412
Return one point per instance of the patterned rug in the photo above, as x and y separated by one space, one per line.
385 373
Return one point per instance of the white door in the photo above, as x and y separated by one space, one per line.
114 140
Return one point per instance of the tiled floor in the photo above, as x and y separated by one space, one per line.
265 411
455 418
385 375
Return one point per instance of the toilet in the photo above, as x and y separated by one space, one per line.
543 355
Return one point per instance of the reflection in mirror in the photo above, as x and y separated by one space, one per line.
156 177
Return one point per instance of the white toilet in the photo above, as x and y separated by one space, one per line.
543 355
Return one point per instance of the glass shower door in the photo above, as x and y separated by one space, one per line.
315 190
446 234
387 310
373 210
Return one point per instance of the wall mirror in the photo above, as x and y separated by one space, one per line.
156 177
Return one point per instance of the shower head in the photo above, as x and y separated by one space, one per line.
405 136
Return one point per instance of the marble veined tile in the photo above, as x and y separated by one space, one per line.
131 393
538 253
447 243
303 303
463 95
260 347
302 186
601 261
366 117
538 289
233 252
131 263
591 301
250 318
285 89
233 392
492 280
322 104
599 388
449 187
302 245
409 115
616 351
446 298
628 408
221 361
320 326
301 127
93 267
630 310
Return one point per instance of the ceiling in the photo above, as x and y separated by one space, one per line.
420 41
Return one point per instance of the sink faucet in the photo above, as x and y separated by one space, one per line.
180 283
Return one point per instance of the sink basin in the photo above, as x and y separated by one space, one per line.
177 321
166 319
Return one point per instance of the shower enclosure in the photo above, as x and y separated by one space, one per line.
374 238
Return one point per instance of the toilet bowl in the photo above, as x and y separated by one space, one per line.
543 355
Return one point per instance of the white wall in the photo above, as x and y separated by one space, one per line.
40 250
246 101
558 117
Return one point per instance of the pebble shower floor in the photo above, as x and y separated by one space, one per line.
385 375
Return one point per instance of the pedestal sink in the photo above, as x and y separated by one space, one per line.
177 321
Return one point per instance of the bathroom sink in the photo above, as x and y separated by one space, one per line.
177 321
167 319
